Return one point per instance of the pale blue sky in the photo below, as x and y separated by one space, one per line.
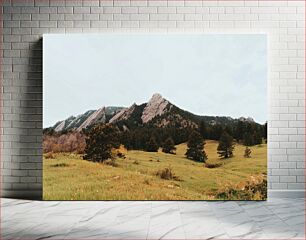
206 74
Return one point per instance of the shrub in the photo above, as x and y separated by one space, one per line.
60 165
121 152
168 146
120 155
118 152
255 188
167 174
247 152
136 162
69 142
49 155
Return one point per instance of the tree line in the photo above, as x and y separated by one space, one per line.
102 137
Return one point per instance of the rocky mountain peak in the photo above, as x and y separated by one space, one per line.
124 114
60 126
156 106
248 119
97 116
156 97
158 111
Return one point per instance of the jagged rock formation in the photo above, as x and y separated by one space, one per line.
248 119
157 112
124 114
98 116
63 125
60 126
86 119
155 107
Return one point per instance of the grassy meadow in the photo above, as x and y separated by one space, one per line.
68 177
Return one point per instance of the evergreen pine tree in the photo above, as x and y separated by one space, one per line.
195 146
203 130
100 141
248 139
257 137
240 130
151 145
168 146
216 131
247 152
226 146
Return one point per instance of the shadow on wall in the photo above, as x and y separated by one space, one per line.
29 155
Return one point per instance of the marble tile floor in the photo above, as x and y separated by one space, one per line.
273 219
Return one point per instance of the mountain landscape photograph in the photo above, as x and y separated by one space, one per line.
155 117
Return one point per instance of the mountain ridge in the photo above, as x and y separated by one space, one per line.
158 112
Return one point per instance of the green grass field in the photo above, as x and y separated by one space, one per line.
68 177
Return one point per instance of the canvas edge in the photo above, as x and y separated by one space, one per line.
37 194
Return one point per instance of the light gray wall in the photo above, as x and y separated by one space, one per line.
24 22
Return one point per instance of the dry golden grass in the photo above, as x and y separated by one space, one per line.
68 177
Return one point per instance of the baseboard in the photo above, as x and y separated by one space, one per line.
22 194
286 193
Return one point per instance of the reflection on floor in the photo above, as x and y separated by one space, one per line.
274 219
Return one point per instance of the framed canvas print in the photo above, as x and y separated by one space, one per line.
155 116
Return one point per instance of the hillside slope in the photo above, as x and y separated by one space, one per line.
68 177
